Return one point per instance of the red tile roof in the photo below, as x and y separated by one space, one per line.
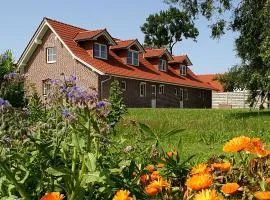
116 66
178 59
121 44
150 53
83 35
209 79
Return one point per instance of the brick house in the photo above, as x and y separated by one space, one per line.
148 77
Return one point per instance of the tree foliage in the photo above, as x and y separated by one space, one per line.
249 18
166 28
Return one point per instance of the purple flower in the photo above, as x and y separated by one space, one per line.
4 103
101 104
68 115
11 75
55 82
6 139
71 78
26 112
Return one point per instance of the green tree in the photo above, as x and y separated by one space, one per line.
6 64
249 18
168 27
118 107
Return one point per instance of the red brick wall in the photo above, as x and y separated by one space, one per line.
168 99
38 69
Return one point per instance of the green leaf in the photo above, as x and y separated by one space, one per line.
93 178
58 172
90 162
172 133
144 128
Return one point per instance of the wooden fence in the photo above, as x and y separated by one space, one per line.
230 99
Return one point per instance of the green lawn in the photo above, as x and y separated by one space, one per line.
203 131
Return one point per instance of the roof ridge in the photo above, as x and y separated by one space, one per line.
47 18
92 30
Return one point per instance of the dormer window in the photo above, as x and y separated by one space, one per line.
183 70
100 51
133 58
163 65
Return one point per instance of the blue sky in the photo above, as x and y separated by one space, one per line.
122 18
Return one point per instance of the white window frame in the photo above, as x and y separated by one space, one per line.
46 87
99 51
125 85
132 58
183 70
181 94
51 55
154 92
163 65
161 89
144 89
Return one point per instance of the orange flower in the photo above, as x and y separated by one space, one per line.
155 175
154 187
150 168
122 195
151 191
171 153
262 195
53 196
256 146
144 178
160 165
230 188
267 181
207 195
200 169
224 167
236 144
199 182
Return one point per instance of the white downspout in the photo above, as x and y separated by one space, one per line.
101 86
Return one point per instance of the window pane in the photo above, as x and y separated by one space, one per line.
96 50
129 57
103 51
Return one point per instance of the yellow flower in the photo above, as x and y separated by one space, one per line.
230 188
207 195
224 167
122 195
199 182
53 196
262 195
150 168
200 169
237 144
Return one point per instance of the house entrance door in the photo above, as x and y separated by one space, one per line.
154 96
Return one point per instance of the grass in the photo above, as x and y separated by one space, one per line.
203 132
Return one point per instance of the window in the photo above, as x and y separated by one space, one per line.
51 54
161 89
100 51
142 89
154 90
123 85
176 91
186 94
181 92
183 70
133 58
46 87
163 65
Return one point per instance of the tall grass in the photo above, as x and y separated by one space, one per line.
203 131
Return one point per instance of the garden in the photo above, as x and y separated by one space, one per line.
74 146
